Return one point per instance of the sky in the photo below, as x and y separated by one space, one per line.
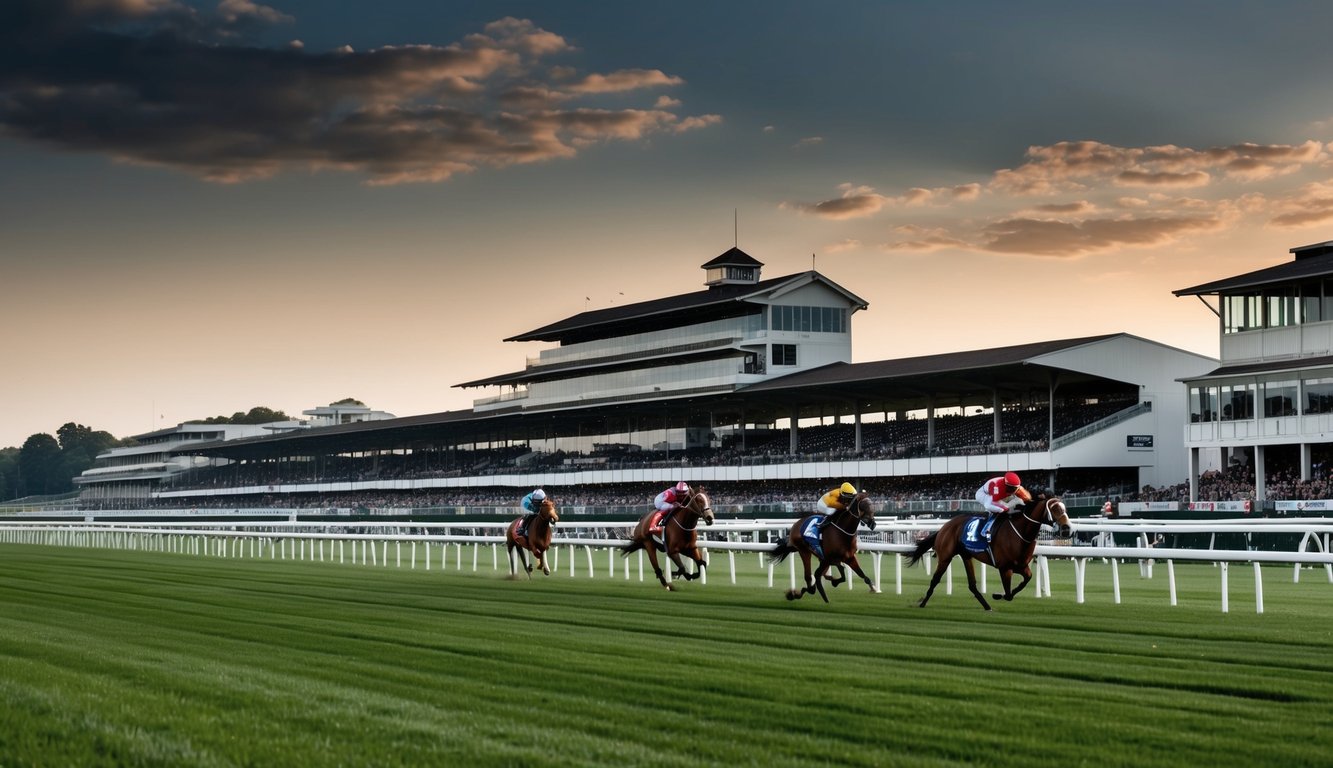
207 207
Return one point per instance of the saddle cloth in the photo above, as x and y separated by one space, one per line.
974 533
810 533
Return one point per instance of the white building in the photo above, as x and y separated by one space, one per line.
1270 403
739 331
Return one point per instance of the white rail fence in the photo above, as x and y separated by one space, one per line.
435 544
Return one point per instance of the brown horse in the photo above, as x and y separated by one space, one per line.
1012 544
678 537
838 540
537 540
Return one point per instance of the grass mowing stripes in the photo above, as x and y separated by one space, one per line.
138 658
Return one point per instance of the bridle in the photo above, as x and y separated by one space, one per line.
859 518
698 513
1047 519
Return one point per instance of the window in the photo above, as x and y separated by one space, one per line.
1311 302
1281 303
1279 398
1237 402
810 319
784 354
1203 404
1319 395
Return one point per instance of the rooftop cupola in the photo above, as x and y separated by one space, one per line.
735 267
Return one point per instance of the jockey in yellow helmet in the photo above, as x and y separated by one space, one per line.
834 501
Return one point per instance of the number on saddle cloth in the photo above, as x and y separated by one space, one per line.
975 533
811 535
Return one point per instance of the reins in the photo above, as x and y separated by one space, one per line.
858 518
1049 519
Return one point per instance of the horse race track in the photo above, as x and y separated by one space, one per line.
134 658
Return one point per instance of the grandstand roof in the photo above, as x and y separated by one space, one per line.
1319 265
1269 366
720 301
959 363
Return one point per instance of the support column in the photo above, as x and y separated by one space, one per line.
995 416
856 416
1193 462
794 441
1307 458
930 424
1260 492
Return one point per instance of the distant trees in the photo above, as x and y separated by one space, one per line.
347 401
257 415
48 465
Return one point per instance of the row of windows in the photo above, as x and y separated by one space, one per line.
1308 302
810 319
1235 402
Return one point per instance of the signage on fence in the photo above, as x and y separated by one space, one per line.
1138 441
1128 508
1220 506
1313 505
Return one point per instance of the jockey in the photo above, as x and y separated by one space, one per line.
835 500
672 499
530 504
997 495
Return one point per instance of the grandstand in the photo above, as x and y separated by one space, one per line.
747 383
1268 408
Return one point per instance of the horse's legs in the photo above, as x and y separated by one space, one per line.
808 586
657 569
940 568
972 582
540 558
820 572
680 572
513 564
834 581
699 563
1009 593
856 567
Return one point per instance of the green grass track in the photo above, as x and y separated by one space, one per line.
153 659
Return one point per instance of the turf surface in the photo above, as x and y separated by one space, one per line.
141 658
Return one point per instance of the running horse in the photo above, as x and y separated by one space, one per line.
679 537
838 542
537 539
1011 548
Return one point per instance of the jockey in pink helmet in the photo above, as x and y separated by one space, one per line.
999 494
672 499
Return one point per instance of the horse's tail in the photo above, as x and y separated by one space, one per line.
922 547
779 553
633 546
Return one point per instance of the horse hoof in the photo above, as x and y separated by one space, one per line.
791 595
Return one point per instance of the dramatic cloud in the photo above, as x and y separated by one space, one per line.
1311 204
859 201
809 141
1093 217
856 202
1071 165
156 82
1065 239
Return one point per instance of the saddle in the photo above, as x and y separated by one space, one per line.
656 533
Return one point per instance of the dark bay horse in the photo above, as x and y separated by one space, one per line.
537 540
1013 541
679 537
838 540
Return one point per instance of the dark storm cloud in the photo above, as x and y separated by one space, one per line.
157 82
